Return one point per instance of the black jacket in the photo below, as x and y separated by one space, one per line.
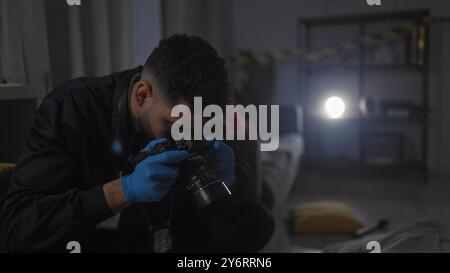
56 193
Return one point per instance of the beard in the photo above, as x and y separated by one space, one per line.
145 122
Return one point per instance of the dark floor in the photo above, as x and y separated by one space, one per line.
399 200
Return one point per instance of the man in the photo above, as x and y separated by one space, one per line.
67 180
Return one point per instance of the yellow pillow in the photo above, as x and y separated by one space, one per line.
324 218
6 168
5 172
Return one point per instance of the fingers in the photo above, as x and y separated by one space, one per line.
211 148
218 145
153 143
212 143
219 150
171 157
164 171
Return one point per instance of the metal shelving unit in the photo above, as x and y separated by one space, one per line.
418 64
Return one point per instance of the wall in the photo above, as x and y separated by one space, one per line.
146 28
265 25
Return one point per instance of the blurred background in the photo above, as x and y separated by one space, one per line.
363 91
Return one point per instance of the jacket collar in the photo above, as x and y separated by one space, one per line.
122 130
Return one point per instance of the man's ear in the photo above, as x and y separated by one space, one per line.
144 93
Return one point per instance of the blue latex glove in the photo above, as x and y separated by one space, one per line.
152 178
219 159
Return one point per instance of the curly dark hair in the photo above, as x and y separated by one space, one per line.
187 67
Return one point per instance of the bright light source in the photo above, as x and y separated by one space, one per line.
335 107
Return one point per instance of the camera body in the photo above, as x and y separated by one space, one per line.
202 187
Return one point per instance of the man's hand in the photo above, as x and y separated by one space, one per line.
220 159
154 176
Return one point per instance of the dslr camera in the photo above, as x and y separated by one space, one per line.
202 187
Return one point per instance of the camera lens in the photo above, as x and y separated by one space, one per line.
206 190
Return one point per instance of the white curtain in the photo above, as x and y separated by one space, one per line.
209 19
23 42
93 39
48 42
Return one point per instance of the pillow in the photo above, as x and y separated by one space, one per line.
324 218
5 172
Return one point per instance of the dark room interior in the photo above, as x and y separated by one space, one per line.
363 157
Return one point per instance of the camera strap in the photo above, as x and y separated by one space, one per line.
156 215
